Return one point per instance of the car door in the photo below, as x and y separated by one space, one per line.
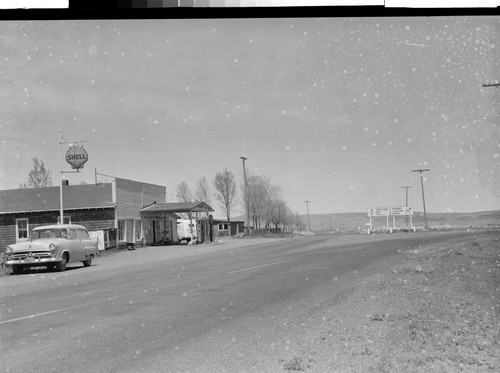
88 243
75 247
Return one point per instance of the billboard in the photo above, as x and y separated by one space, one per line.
390 211
379 211
405 210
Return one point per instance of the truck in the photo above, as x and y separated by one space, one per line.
186 229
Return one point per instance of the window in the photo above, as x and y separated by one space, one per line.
22 229
72 234
138 229
223 226
121 230
66 219
83 234
129 230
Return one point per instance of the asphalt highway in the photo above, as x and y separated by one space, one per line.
187 309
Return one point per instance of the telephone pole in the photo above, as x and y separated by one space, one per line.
246 194
406 216
421 171
491 85
308 220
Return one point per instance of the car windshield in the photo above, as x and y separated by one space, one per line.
49 233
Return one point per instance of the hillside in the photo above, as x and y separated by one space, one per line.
351 221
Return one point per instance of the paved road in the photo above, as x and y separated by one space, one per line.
197 309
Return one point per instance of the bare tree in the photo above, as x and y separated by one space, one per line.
202 192
225 191
278 212
271 196
39 176
184 192
264 202
257 187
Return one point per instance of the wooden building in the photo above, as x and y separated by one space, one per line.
223 229
110 211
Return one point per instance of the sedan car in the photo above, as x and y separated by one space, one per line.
52 246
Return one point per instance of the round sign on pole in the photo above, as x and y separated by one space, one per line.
76 156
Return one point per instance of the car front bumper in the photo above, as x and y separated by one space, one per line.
31 260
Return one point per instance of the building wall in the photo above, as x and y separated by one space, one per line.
132 196
235 227
93 220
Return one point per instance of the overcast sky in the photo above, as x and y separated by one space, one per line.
337 111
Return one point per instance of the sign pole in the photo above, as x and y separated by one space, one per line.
61 212
77 166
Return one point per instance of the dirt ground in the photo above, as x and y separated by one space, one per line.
438 311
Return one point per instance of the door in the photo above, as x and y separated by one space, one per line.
88 243
129 231
74 247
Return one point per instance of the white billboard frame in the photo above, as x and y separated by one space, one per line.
390 211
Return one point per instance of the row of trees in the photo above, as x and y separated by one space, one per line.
267 208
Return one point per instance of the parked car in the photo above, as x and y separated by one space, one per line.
52 246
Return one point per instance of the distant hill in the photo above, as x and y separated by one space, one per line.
350 221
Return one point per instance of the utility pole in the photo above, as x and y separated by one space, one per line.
421 171
491 85
406 216
246 195
308 220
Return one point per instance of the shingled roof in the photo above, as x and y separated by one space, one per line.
75 197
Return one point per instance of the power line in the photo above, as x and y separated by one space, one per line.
491 85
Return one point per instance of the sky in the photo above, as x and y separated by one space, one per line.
335 111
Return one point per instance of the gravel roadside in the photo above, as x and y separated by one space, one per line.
438 311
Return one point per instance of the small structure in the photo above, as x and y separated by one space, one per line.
160 222
223 229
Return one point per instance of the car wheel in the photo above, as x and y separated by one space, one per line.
17 269
61 266
88 262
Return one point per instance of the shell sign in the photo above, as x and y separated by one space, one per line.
76 156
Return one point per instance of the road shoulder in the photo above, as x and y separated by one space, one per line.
439 310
